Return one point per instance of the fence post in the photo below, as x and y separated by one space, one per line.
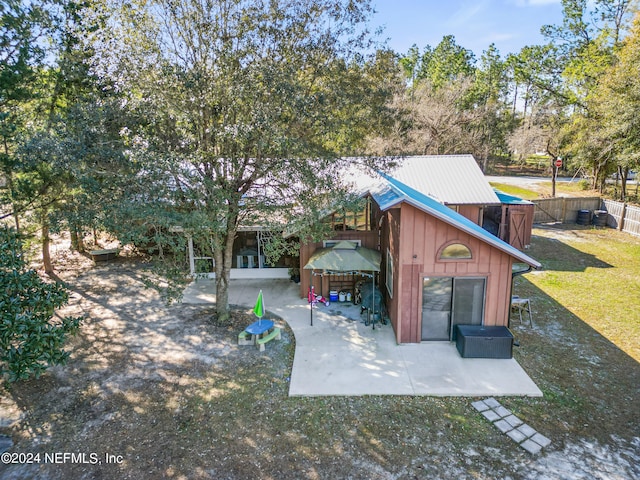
563 217
622 214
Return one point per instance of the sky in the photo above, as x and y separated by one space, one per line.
475 24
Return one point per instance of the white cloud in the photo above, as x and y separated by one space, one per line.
467 13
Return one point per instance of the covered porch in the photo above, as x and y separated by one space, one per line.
339 355
249 259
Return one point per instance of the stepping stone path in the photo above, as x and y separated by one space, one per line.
505 421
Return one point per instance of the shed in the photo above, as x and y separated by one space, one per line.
514 220
439 267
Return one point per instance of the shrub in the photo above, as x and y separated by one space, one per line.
584 184
31 339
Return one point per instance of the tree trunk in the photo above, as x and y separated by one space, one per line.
623 181
17 220
224 259
77 241
81 247
222 293
46 255
74 239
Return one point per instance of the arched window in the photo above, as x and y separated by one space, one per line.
455 251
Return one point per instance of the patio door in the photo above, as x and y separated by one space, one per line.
449 301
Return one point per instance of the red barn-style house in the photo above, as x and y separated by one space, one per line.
439 267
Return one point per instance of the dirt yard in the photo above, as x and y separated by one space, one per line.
155 392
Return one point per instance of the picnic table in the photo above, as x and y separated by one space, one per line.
259 328
261 332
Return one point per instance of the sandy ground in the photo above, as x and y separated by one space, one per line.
130 389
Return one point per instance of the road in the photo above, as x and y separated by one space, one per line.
526 182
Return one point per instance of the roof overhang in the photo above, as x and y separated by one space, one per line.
345 256
392 192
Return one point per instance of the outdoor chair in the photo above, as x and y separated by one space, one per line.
522 305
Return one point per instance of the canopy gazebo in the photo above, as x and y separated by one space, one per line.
343 258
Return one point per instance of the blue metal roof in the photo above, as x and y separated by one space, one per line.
395 192
511 199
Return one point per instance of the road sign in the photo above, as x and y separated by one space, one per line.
558 162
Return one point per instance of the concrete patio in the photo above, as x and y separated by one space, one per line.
339 355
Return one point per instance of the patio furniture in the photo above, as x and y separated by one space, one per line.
245 338
260 342
246 261
256 331
522 305
247 258
476 341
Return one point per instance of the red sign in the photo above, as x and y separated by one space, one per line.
558 162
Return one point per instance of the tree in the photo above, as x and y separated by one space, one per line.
446 63
562 77
42 163
410 63
617 101
250 107
490 97
21 29
31 337
429 121
588 42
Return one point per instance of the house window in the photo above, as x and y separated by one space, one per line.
332 243
359 217
455 251
389 274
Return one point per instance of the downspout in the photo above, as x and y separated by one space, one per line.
513 276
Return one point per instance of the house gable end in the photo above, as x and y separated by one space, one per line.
403 193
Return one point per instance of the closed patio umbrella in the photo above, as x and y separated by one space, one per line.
258 309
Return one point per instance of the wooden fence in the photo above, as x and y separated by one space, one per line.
565 210
622 216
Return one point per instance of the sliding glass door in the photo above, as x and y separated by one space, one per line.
449 301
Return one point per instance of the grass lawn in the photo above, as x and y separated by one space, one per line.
521 192
543 189
595 274
169 390
583 351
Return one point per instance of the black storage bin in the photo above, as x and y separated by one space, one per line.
473 341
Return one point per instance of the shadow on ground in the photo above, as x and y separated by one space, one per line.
170 393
